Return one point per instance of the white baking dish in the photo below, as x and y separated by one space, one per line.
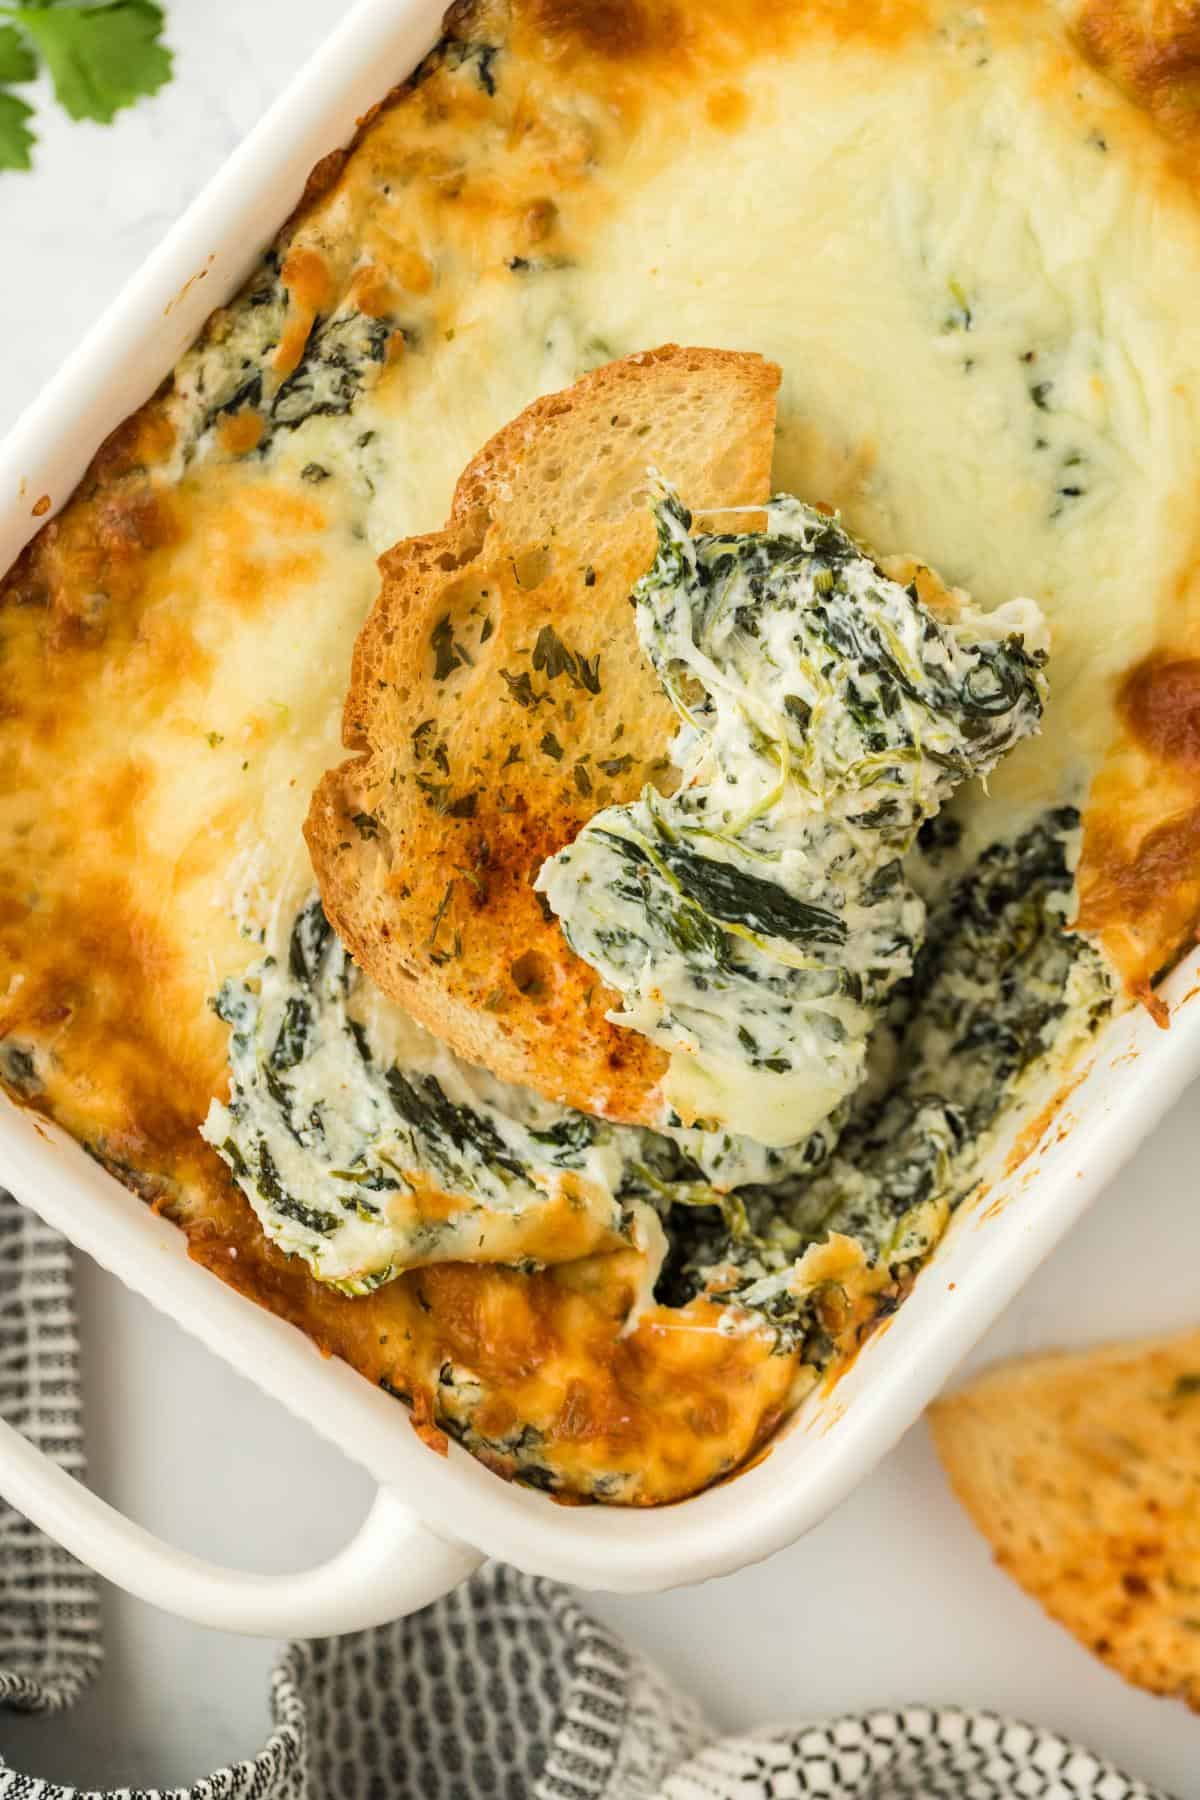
436 1518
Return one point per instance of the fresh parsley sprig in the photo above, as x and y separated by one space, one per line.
100 57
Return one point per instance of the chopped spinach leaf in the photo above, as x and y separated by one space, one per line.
20 1068
291 1046
827 714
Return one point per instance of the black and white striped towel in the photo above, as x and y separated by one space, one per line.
505 1690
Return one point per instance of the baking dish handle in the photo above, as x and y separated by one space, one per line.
392 1566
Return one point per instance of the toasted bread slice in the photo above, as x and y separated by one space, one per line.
1083 1472
499 698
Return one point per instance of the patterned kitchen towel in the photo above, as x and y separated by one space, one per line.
49 1621
505 1690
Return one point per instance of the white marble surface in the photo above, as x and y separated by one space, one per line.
893 1598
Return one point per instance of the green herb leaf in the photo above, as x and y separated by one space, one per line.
521 688
551 656
422 737
446 657
17 61
437 794
16 139
100 58
440 914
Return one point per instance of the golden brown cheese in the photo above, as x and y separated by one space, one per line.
1151 48
1139 881
564 184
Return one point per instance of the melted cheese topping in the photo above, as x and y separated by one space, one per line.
977 264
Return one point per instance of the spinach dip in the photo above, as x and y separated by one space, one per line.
861 1003
755 923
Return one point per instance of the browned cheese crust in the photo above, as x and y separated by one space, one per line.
115 628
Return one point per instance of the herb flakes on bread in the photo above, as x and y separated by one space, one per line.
499 698
1083 1473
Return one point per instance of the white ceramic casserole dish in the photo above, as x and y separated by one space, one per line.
435 1518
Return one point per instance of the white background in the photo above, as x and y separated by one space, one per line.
893 1599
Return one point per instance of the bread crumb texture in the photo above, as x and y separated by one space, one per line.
1083 1473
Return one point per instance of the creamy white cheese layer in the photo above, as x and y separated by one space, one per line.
367 1147
755 922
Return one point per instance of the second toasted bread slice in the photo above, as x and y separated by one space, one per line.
499 697
1083 1470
